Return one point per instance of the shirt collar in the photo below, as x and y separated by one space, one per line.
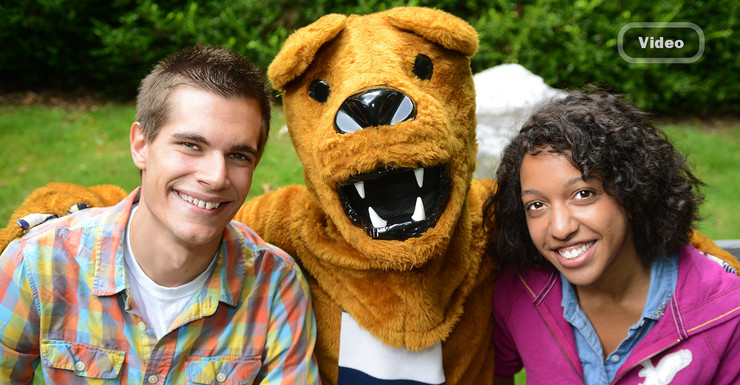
663 278
225 285
108 243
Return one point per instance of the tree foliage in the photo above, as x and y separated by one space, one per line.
108 46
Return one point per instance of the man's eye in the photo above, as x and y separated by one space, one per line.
189 145
240 157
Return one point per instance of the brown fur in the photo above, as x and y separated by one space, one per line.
412 293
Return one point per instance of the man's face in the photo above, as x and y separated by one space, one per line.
197 171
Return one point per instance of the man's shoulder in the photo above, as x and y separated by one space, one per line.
60 226
89 222
255 243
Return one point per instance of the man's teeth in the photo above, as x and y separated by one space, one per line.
575 253
200 203
377 221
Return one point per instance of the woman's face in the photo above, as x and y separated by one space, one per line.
579 228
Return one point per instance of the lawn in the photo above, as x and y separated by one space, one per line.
88 144
714 151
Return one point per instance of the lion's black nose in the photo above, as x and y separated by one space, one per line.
376 107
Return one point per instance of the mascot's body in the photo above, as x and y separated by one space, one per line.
381 110
388 227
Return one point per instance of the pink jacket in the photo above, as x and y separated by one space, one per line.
696 342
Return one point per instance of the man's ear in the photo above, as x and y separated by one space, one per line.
138 146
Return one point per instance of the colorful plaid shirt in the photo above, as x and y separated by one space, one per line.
66 313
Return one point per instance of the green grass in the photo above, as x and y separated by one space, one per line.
39 145
714 152
88 145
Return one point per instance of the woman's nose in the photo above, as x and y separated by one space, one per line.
562 223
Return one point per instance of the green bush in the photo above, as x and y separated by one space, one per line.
50 44
572 43
109 46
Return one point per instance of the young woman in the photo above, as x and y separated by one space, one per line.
598 281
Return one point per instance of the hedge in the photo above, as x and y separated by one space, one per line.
107 47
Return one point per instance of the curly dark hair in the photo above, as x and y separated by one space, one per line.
608 138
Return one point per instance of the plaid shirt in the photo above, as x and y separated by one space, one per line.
66 306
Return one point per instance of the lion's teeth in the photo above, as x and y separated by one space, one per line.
360 187
376 220
419 174
419 214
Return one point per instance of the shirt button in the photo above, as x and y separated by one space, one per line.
220 377
79 366
152 379
615 358
142 327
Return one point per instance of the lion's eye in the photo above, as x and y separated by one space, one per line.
319 91
423 67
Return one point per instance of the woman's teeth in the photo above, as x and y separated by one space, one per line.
574 253
200 203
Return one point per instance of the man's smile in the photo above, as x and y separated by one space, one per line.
197 202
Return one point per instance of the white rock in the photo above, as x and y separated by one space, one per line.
506 95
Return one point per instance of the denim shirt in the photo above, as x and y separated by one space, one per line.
663 277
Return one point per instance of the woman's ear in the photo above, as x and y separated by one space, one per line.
138 146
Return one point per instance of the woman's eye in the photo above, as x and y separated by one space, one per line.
584 194
533 206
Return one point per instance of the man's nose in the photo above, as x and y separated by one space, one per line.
213 171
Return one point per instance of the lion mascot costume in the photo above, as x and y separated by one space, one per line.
388 227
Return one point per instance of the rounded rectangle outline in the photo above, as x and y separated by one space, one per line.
660 24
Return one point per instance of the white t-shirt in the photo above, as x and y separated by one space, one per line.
160 305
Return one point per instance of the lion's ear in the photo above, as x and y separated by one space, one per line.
299 50
437 26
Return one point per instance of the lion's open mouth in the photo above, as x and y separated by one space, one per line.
396 204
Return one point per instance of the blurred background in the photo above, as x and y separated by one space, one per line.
69 72
108 46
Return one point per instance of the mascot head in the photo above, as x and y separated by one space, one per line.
381 110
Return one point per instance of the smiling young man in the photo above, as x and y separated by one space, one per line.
164 288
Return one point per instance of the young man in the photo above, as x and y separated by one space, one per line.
163 288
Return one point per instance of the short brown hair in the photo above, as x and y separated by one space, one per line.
211 69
